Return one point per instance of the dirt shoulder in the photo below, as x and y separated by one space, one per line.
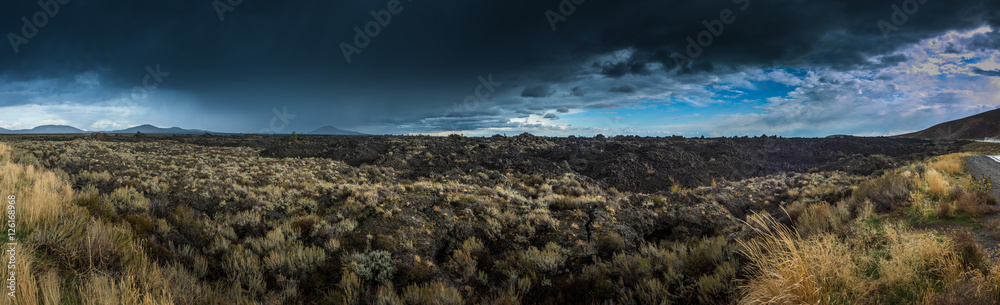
985 167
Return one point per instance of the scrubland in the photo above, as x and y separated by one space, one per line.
135 222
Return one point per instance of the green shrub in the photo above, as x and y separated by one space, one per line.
127 200
91 199
611 242
140 224
24 157
242 266
546 260
717 285
375 265
464 260
890 191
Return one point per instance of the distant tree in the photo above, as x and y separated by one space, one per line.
294 137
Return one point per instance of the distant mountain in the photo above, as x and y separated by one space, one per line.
977 127
45 129
150 129
334 131
840 136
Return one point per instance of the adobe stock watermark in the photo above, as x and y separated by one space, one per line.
484 91
713 29
613 125
899 17
363 38
225 6
154 77
11 246
566 8
283 116
31 27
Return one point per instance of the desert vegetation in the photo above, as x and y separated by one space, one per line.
108 220
902 238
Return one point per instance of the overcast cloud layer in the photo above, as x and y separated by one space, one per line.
789 67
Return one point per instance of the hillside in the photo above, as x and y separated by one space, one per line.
334 131
150 129
977 127
46 129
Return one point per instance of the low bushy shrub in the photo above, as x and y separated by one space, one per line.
433 293
376 266
889 191
127 200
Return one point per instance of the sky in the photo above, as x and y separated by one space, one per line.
795 68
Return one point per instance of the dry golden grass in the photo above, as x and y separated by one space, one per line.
26 288
821 217
789 270
99 289
951 164
40 194
913 254
49 284
883 263
937 184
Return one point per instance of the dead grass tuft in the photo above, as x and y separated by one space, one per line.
936 184
950 164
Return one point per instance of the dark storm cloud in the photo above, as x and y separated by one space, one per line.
431 55
525 111
623 89
986 73
538 91
987 41
632 66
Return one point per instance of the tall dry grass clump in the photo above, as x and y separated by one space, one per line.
937 185
822 217
916 261
26 290
49 285
950 164
39 194
882 263
789 270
